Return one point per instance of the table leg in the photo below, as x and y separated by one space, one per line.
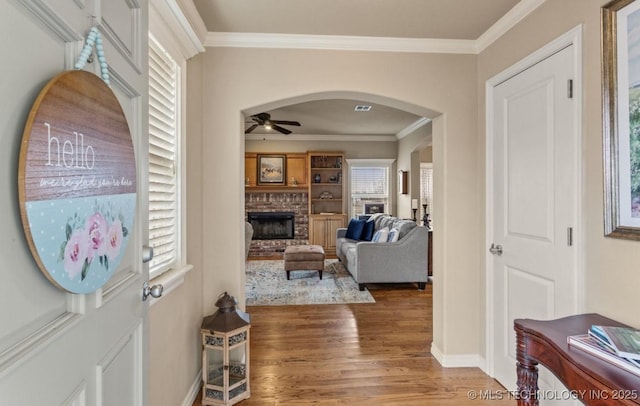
527 384
527 370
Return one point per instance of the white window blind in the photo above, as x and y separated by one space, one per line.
163 132
426 188
369 182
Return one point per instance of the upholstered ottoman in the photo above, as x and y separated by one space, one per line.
303 258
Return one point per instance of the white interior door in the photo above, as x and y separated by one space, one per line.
535 189
58 348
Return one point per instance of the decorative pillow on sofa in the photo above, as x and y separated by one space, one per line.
393 235
367 230
354 229
386 222
403 227
377 218
381 235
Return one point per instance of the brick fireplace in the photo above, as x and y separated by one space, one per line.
279 202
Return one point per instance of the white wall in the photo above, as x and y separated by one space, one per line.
174 321
408 160
237 80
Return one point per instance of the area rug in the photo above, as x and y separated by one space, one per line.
267 285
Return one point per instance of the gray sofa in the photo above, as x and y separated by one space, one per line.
389 262
248 235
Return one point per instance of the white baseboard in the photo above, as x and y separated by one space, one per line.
192 394
455 361
482 364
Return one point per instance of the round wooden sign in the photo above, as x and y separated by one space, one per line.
77 181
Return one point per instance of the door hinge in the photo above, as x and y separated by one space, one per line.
570 88
569 236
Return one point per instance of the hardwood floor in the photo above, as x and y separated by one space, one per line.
358 354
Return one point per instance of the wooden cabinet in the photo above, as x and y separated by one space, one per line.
326 198
322 231
297 169
250 169
326 186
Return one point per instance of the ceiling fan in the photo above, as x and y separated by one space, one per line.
264 119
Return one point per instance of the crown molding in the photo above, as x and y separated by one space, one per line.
369 161
320 137
340 137
194 20
508 21
338 42
412 127
375 44
182 20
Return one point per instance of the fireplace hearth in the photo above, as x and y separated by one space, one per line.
272 225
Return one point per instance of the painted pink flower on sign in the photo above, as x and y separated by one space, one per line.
99 237
96 227
75 253
114 239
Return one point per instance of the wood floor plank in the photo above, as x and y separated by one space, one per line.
358 354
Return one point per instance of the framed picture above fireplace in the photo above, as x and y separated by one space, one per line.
271 169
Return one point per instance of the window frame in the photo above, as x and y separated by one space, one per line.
426 165
171 274
371 163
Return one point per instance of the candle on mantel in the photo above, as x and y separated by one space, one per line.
414 203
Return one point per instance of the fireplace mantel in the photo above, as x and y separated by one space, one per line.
276 189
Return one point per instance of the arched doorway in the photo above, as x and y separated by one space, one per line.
235 82
351 124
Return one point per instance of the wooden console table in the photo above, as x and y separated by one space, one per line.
592 380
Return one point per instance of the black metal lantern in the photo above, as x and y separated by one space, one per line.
225 354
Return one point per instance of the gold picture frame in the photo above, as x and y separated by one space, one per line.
272 169
621 118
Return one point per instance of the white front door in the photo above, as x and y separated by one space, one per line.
535 189
58 348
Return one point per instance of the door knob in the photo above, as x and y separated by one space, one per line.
495 249
155 291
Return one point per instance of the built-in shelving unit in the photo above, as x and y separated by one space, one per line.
326 189
326 198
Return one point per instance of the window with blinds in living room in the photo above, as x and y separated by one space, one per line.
369 186
426 188
163 156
